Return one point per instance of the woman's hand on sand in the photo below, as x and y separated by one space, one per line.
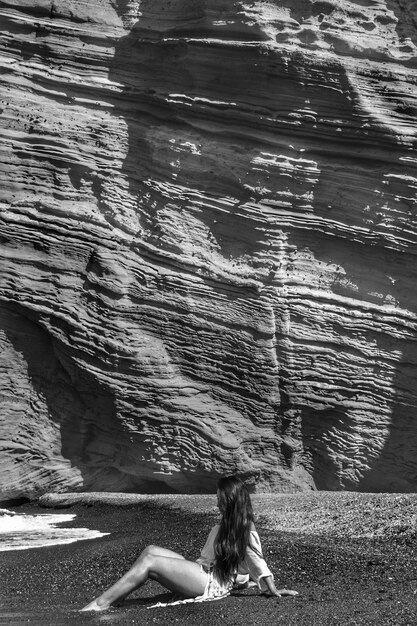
277 593
287 592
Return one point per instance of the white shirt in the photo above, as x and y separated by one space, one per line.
253 567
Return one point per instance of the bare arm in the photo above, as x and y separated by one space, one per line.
269 581
259 571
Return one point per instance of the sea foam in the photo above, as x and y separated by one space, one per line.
22 532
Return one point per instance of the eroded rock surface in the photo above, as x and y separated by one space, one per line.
208 239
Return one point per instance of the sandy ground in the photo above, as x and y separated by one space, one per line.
352 557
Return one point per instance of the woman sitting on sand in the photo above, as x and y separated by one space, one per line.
232 555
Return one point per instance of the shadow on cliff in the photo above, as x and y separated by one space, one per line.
148 67
406 13
378 275
394 469
92 438
167 174
387 446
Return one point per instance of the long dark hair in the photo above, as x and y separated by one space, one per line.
237 518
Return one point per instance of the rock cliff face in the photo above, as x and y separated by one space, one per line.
208 241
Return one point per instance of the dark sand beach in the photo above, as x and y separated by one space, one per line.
352 557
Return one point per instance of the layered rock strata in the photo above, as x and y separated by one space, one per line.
208 240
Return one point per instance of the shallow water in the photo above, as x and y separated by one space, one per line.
22 532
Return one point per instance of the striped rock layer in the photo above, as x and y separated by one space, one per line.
208 238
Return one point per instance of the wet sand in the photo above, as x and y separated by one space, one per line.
352 557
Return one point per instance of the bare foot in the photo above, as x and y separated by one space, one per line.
93 606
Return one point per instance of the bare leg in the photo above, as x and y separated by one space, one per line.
173 572
156 551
